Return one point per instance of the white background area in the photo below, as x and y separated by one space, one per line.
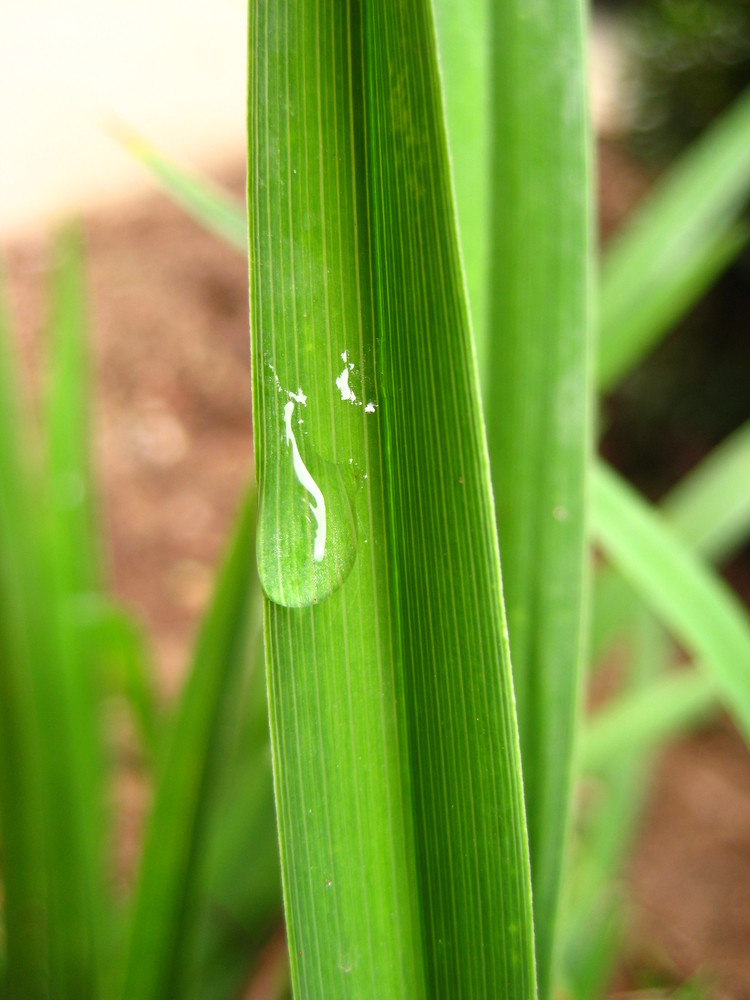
171 70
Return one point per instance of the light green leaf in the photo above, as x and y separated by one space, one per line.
649 716
592 921
464 64
682 236
395 753
699 608
709 510
216 210
538 402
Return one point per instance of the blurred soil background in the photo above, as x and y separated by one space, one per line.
173 449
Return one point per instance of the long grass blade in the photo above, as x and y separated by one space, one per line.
216 210
165 910
699 608
647 717
675 244
25 906
67 688
395 753
464 64
593 918
538 402
710 512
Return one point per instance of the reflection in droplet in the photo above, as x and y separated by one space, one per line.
319 507
307 539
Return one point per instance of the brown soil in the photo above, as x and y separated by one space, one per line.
173 451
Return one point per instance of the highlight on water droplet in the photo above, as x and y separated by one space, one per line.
307 538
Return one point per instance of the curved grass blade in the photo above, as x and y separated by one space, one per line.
700 609
538 404
675 244
395 755
165 908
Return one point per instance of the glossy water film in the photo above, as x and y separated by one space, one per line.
307 538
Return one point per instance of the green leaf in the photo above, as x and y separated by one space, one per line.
394 745
175 847
216 210
699 608
709 510
464 65
647 717
22 819
122 648
592 921
73 572
240 895
683 235
538 402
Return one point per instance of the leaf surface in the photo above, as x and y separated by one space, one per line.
394 746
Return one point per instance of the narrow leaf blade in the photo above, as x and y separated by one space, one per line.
538 402
700 609
174 851
675 243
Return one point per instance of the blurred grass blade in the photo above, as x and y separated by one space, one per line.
67 425
538 403
675 243
663 296
710 512
240 894
394 746
22 820
216 210
647 717
175 847
122 648
68 688
593 924
700 609
710 508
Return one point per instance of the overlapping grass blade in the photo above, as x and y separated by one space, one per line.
675 244
699 608
175 849
538 401
25 904
395 755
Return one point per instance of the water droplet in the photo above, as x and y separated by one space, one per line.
307 539
560 513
